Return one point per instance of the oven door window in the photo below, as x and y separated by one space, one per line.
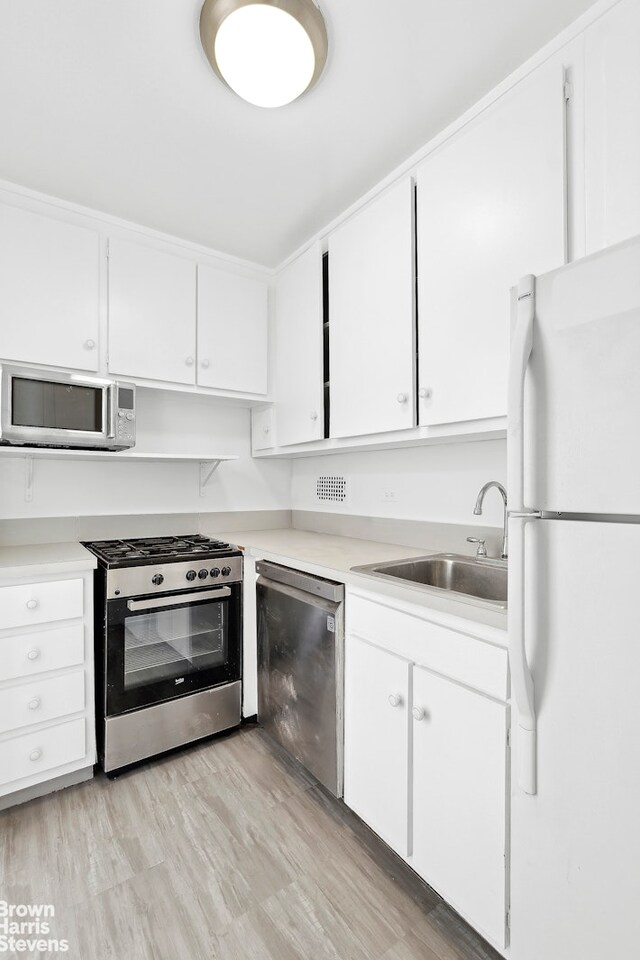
158 653
170 644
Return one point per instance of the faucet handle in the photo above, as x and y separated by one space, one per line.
482 550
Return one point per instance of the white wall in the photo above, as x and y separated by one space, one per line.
167 422
436 483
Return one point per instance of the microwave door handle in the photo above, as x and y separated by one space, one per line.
111 410
152 603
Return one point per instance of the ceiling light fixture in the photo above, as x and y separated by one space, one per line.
268 51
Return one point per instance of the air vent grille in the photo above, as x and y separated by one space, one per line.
332 489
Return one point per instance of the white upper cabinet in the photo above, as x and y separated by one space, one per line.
152 313
612 126
372 317
232 331
262 428
49 290
298 350
491 208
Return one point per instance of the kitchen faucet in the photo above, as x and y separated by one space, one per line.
478 511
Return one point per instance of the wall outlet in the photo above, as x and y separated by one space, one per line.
390 496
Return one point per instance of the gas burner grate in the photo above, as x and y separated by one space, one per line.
157 549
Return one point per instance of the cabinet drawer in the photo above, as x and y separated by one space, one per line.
41 700
32 753
42 650
445 650
41 602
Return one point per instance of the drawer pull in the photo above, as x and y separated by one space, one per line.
35 703
32 604
33 654
395 699
35 754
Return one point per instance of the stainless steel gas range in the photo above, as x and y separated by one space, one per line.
168 632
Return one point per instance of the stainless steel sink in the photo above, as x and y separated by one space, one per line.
481 579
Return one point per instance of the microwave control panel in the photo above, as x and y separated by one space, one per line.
126 417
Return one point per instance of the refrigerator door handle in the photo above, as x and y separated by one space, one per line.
521 345
521 677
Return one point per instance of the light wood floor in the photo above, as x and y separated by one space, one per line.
225 851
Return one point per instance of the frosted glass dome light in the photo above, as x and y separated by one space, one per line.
269 52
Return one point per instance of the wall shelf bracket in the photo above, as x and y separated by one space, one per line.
207 470
28 479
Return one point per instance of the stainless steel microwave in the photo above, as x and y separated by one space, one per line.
42 409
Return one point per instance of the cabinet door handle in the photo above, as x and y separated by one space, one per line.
90 344
189 361
32 604
35 754
395 699
418 713
33 654
425 393
266 429
205 364
34 704
313 415
401 398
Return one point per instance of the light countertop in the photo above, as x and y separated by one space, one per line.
333 557
42 559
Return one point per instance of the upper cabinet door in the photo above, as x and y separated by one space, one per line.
298 342
372 317
232 331
49 290
612 126
491 208
152 313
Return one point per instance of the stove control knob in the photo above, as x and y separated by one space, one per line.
215 571
157 579
191 574
203 574
226 571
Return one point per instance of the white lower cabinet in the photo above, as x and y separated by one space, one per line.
30 755
47 718
42 698
459 797
376 748
426 754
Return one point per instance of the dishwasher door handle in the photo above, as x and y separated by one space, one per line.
218 594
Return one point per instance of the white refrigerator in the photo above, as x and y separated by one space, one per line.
574 610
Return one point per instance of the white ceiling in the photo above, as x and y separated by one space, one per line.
112 104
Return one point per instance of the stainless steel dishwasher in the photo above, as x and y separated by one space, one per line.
301 668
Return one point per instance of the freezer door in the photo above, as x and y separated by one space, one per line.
582 397
575 846
300 677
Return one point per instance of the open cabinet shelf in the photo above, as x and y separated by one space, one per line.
209 462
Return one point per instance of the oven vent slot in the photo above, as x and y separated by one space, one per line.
331 489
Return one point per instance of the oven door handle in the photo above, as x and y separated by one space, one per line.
218 594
